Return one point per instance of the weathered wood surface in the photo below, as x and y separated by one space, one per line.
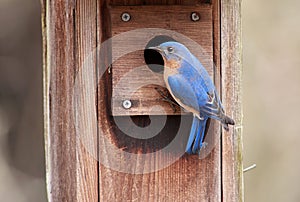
72 30
130 72
72 172
231 55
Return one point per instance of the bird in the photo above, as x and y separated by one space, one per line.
191 87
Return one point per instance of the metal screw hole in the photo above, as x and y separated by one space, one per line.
195 16
125 17
126 104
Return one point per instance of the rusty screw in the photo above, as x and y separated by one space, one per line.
125 17
195 16
126 104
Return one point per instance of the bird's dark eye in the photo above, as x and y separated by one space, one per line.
170 49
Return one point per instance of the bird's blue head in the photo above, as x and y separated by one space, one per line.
173 53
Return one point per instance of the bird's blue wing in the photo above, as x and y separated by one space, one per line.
213 107
183 90
208 100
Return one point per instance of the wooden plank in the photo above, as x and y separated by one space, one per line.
61 180
232 168
187 179
129 70
68 32
85 109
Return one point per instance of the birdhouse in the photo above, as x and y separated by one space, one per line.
112 130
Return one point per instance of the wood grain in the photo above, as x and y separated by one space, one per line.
232 167
69 32
85 94
129 70
61 175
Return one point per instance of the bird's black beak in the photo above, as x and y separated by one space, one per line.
156 48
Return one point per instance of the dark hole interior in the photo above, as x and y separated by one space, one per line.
143 123
152 58
175 125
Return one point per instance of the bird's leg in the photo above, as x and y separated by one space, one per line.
166 97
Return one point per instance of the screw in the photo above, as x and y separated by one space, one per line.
195 16
125 17
127 104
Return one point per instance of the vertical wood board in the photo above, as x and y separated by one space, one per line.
232 167
69 33
188 179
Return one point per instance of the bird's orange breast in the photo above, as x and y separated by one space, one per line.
172 64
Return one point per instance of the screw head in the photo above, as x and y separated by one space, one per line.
195 16
126 104
125 17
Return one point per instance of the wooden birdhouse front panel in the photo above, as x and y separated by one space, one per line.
134 28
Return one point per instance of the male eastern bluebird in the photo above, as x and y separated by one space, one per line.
191 86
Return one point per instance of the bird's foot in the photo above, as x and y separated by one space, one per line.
167 98
225 126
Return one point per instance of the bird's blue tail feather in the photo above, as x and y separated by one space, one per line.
195 140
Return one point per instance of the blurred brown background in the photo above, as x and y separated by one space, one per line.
271 45
22 168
